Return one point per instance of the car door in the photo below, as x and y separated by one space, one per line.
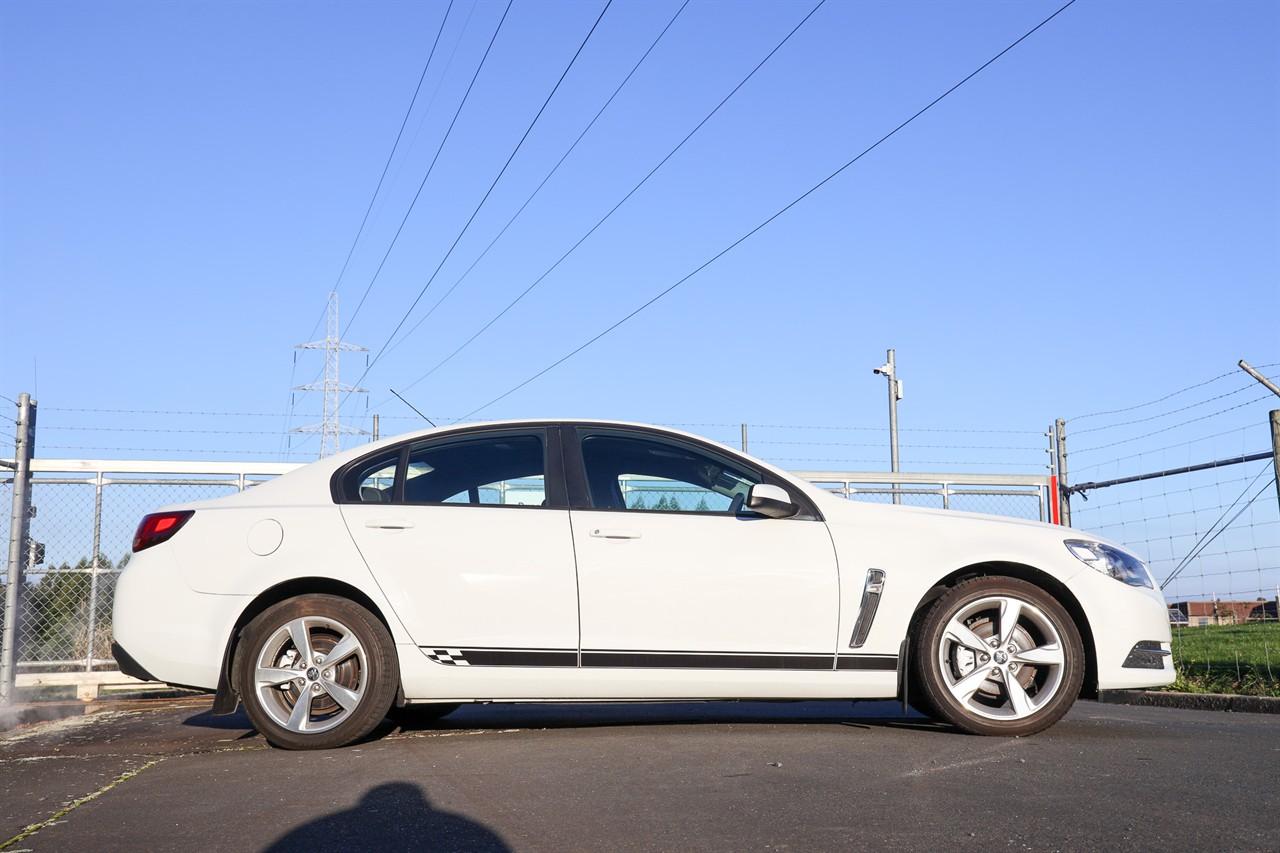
672 572
468 536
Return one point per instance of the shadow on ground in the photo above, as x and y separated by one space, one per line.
422 718
392 816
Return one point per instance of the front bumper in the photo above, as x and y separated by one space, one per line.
1125 619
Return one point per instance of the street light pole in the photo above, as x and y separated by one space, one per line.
889 371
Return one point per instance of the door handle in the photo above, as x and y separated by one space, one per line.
388 524
613 533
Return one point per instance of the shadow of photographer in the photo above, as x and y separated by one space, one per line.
394 816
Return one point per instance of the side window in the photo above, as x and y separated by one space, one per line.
374 481
504 470
630 472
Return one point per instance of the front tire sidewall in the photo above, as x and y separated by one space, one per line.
928 672
381 678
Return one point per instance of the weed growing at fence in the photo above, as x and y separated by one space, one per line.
1241 659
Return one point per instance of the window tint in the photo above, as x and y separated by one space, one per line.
374 481
625 472
499 470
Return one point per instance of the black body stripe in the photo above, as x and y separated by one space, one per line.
674 660
513 657
873 662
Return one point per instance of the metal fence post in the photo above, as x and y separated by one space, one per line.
1275 466
95 566
19 525
744 437
1060 448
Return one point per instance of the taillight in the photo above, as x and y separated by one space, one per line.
159 527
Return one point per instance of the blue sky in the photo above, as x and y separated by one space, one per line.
1091 222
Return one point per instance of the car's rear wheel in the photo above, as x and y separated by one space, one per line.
316 672
998 656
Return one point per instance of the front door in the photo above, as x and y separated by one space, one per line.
673 574
469 538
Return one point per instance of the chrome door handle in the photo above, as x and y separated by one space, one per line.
613 533
388 524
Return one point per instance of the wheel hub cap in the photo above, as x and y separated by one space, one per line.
313 674
1025 649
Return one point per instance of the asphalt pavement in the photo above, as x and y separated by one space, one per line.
165 775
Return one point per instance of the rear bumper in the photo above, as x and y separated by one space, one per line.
128 665
166 631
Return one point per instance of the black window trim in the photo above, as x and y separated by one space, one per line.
579 495
552 460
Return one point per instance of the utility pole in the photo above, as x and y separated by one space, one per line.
331 388
889 370
19 527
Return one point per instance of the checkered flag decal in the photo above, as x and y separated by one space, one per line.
448 657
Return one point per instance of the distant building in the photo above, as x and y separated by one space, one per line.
1221 612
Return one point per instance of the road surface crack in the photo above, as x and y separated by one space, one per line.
32 829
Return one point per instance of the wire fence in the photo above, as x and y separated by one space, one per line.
1187 482
1184 480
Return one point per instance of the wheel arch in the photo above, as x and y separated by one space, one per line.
226 698
1032 575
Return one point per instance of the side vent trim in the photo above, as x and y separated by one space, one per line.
872 589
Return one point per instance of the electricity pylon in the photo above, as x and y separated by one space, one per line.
331 388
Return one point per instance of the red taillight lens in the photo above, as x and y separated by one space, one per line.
159 527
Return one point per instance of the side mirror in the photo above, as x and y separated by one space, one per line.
772 501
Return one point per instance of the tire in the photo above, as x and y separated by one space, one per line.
345 700
1032 676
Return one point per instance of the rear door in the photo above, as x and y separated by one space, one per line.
468 536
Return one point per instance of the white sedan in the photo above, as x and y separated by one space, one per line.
583 560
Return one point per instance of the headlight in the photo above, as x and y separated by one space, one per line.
1111 561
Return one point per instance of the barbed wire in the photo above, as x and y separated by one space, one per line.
1169 396
1239 390
882 461
162 430
913 446
159 449
1139 455
1173 426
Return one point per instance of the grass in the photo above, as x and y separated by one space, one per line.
1242 659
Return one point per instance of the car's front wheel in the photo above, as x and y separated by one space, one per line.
315 672
998 656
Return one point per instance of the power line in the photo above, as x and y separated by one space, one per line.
364 220
545 178
487 193
430 168
620 203
773 216
390 156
